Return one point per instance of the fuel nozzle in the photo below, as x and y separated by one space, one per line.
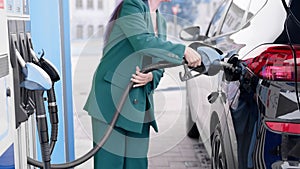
211 63
212 60
51 70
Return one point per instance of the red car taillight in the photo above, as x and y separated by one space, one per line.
283 127
274 62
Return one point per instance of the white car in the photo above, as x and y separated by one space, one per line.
249 118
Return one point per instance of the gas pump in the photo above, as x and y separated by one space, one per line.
22 93
17 102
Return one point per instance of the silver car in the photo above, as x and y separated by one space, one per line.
249 116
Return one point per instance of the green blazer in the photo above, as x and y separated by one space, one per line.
132 40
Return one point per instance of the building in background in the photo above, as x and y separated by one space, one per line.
89 17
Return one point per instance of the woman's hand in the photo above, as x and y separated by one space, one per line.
141 79
192 57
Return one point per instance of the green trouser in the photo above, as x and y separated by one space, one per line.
123 149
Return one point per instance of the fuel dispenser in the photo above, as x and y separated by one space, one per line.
17 103
25 78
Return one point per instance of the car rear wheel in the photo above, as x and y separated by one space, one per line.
218 154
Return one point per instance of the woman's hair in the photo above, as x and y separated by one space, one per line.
114 16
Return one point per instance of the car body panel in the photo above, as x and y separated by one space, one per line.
200 103
237 30
253 34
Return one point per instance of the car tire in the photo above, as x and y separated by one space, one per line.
218 157
191 127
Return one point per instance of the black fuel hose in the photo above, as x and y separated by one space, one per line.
41 122
51 98
52 108
94 150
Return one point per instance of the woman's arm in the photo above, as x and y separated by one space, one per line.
133 24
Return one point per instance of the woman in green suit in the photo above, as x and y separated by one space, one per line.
136 38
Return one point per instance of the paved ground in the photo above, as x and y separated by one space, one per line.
170 148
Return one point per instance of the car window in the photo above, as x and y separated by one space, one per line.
256 5
214 23
235 15
239 13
